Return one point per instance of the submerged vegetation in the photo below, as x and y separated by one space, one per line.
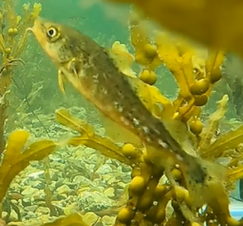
214 23
152 199
12 41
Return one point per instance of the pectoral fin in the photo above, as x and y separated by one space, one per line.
74 66
60 81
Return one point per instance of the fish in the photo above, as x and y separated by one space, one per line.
94 74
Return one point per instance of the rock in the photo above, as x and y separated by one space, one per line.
36 174
70 209
89 151
26 202
4 214
30 215
29 191
109 192
79 153
13 216
55 176
41 210
31 208
121 184
60 182
82 181
15 187
109 179
64 189
71 185
54 172
93 201
16 223
101 131
108 221
90 218
105 169
38 184
39 195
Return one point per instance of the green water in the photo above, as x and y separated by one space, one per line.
35 86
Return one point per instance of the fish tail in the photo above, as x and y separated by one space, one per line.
204 179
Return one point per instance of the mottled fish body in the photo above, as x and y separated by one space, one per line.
91 70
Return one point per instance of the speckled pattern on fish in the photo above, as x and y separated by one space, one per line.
93 73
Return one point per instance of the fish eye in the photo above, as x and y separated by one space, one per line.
51 32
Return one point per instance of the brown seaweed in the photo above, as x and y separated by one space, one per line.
17 157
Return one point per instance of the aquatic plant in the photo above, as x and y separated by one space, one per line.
18 155
13 38
152 199
214 23
12 42
149 197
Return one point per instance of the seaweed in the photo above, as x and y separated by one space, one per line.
195 20
13 38
73 219
90 139
148 198
151 197
17 156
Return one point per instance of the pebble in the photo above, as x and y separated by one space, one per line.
29 191
41 210
109 192
108 221
90 218
93 201
13 216
89 186
31 208
64 189
104 170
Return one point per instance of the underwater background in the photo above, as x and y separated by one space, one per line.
81 179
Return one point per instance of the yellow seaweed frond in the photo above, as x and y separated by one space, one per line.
145 50
13 40
194 75
180 64
211 128
122 58
71 220
196 19
195 72
227 141
152 97
17 157
23 23
235 174
90 139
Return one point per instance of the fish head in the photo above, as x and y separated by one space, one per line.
60 42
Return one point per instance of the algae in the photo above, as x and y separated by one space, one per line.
195 88
73 219
13 37
17 156
149 195
214 23
148 206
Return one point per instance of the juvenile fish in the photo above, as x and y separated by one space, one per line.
90 69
